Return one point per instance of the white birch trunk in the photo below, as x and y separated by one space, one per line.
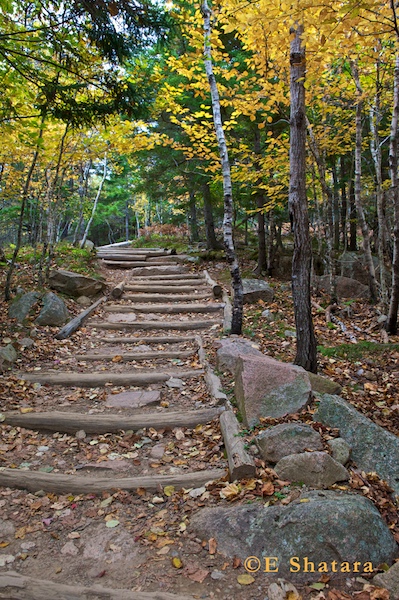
93 211
236 324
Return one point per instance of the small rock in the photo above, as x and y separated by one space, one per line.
174 382
43 449
217 575
80 435
341 450
7 528
8 353
287 438
269 315
83 301
54 311
28 545
6 559
69 549
20 307
316 469
157 451
256 289
389 580
382 319
26 342
282 590
197 492
290 333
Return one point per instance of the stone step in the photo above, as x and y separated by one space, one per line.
145 325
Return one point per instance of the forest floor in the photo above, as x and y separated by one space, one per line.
142 541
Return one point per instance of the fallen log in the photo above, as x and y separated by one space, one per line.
14 585
192 283
241 464
73 422
164 308
129 356
78 321
118 290
217 289
164 297
172 277
101 379
145 325
163 289
56 483
170 339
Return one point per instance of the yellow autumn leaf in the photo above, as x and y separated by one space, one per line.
245 579
168 490
177 563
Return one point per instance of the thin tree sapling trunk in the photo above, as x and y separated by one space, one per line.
93 212
392 322
236 324
306 352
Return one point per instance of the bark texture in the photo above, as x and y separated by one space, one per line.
301 263
236 324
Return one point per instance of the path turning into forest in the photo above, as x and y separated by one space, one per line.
153 392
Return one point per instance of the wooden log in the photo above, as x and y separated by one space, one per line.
164 297
241 464
192 283
162 270
176 276
15 586
164 308
129 356
78 321
56 483
101 379
73 422
163 289
158 339
127 264
118 290
217 289
227 313
145 325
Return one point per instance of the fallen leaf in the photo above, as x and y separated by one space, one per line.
230 491
212 545
318 586
199 576
112 523
163 550
267 489
168 490
236 562
245 579
177 563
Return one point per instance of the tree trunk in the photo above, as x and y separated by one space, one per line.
260 203
328 197
236 323
93 212
392 322
302 259
25 192
352 217
211 241
375 146
344 203
336 213
358 188
193 220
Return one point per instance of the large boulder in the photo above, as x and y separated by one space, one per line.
323 385
265 387
287 438
353 265
74 284
256 289
389 580
20 307
54 312
229 349
346 287
315 469
320 526
373 448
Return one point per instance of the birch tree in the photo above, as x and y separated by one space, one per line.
236 324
